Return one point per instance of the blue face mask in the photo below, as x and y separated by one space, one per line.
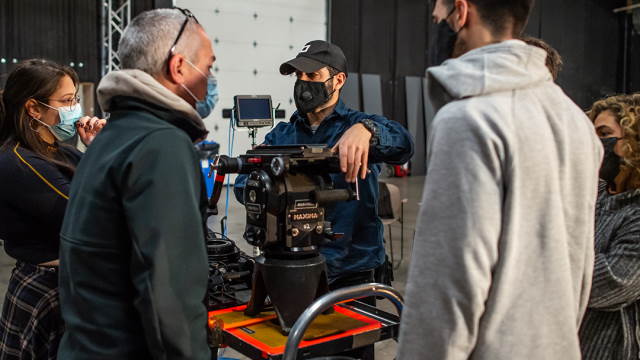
205 106
66 128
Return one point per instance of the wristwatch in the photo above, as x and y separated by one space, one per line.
373 129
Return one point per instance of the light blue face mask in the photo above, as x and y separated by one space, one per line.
66 128
205 107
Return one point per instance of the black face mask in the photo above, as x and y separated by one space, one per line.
610 163
442 42
308 95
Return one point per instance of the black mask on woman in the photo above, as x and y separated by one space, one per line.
308 95
442 42
610 163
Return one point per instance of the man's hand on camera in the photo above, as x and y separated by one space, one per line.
89 127
353 147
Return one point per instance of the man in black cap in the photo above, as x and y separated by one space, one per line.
363 142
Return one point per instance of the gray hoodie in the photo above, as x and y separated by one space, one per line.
503 253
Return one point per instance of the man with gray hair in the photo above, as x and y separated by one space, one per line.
133 273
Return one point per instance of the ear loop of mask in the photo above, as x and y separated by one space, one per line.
449 15
32 119
201 73
40 122
47 105
190 93
325 84
195 67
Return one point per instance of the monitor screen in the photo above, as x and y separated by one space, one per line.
258 108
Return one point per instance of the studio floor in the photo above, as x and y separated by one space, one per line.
410 189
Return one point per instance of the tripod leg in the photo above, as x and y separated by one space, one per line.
391 244
258 294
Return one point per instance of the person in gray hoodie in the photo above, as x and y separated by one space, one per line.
503 253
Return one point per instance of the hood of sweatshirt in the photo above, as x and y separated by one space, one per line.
140 85
503 66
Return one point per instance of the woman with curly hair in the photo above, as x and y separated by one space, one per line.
611 326
633 99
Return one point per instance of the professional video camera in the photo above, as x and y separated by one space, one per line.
284 196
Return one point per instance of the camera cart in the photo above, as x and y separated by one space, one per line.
352 324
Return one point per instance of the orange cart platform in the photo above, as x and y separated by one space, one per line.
351 325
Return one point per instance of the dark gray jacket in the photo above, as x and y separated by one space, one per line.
133 266
611 327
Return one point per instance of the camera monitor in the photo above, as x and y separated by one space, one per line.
253 111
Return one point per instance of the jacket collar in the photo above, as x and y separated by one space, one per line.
341 110
172 116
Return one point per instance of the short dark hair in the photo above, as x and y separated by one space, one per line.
498 14
333 71
554 60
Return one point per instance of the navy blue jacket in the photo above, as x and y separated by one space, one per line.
361 248
33 198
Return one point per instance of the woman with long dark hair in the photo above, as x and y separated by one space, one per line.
39 111
611 326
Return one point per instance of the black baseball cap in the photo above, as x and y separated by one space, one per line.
315 55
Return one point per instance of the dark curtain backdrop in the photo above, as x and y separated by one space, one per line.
590 38
65 31
386 37
390 38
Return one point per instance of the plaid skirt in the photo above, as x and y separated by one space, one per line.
31 325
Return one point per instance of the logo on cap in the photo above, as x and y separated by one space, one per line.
305 48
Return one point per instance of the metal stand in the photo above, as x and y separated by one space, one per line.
253 133
306 280
116 15
328 300
401 221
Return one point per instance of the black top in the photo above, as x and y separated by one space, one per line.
33 197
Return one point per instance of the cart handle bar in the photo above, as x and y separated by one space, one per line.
327 300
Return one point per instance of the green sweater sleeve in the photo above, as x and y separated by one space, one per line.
168 257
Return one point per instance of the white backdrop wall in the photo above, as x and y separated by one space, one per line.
251 38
